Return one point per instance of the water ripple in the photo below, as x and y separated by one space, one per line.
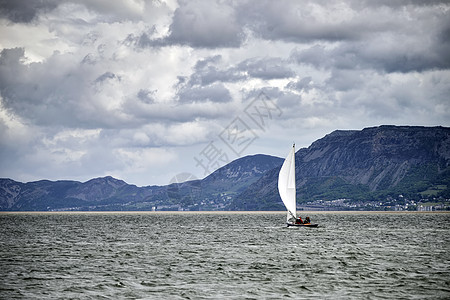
226 256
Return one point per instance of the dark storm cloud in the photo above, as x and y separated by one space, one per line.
9 58
390 37
206 82
56 92
205 24
216 92
395 4
38 93
146 96
390 57
270 92
334 21
24 11
213 74
291 21
395 36
207 72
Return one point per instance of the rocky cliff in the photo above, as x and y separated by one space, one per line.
379 157
373 162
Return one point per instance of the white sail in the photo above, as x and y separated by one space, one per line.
286 184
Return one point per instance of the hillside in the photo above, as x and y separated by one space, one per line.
44 195
219 188
108 193
374 168
374 164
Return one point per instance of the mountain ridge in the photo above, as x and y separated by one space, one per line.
375 162
372 165
108 193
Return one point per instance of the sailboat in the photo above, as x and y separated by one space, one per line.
287 190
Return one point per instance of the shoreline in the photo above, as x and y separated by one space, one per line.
218 212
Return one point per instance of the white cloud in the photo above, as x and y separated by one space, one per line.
136 89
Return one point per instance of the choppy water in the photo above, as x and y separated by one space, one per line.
224 256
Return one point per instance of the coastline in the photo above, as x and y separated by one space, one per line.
219 212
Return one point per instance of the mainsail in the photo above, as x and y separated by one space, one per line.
286 184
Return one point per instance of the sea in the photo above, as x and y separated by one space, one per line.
224 255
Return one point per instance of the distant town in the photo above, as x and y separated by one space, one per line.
435 204
400 204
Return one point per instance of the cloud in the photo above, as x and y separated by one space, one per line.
301 21
209 75
334 21
207 72
146 96
208 24
266 68
216 92
118 10
90 88
383 54
406 40
105 76
303 84
25 11
44 93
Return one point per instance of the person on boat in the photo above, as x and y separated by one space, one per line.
299 220
307 220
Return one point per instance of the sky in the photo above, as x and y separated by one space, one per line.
153 92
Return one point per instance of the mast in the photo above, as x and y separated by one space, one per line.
292 182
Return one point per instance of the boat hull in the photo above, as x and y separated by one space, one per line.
302 225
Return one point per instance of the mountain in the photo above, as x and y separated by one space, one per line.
108 193
375 164
215 191
373 168
65 195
